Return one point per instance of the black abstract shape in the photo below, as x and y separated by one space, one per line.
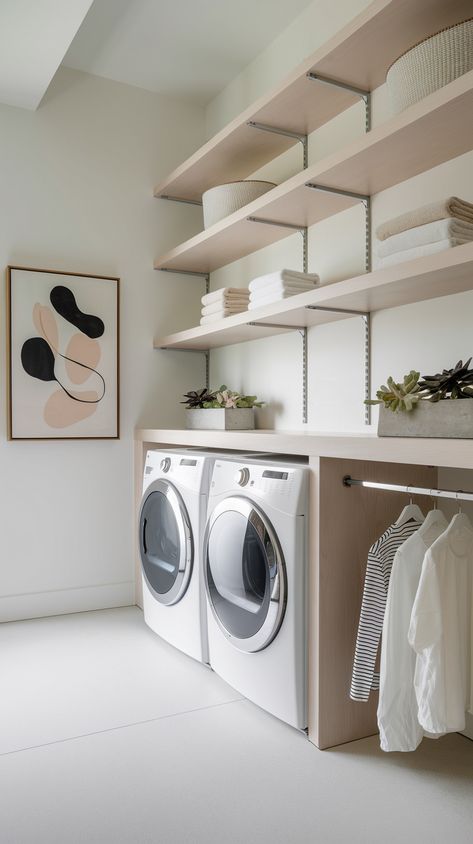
37 360
64 302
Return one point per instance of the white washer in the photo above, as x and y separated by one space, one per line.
171 523
255 566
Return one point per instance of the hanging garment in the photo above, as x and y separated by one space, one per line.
378 571
399 727
440 629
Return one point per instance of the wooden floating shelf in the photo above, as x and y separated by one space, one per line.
430 277
359 55
418 451
395 151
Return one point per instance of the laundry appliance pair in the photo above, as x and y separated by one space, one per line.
223 543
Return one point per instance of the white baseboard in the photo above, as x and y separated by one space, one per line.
62 601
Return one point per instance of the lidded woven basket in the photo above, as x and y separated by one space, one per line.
430 65
222 200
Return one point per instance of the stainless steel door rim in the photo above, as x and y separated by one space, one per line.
275 568
186 545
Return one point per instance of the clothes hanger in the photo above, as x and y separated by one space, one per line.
433 520
410 512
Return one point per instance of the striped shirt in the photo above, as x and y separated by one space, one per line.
373 605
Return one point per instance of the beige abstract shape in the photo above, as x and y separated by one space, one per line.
60 411
83 349
46 325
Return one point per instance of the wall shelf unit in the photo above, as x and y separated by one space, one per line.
358 55
430 277
390 154
422 452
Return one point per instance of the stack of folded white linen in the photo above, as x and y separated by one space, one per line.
224 302
431 228
279 285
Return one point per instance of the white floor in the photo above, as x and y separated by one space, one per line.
109 735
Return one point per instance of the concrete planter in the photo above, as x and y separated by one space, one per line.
448 418
221 419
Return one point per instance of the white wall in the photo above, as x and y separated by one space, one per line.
76 181
424 336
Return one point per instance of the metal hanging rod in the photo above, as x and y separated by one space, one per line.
459 495
275 130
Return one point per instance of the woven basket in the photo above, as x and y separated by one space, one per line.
223 200
431 64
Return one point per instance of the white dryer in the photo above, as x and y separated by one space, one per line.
255 566
171 523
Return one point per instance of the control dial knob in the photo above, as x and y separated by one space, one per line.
165 464
242 476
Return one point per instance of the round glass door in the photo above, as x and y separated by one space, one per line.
165 542
245 574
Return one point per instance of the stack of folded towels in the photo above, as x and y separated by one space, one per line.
224 302
279 285
424 231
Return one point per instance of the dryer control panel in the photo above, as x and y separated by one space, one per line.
284 486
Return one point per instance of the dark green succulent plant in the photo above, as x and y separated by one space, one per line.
198 398
455 383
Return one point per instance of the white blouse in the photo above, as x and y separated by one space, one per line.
398 724
440 630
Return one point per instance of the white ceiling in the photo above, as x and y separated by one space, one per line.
34 36
184 48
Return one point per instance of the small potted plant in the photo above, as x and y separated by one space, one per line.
220 410
430 406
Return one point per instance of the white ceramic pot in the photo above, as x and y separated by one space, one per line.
223 200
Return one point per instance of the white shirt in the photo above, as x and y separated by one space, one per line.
399 727
440 629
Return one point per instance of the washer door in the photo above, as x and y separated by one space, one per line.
245 574
166 545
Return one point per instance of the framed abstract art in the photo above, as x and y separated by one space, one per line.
63 361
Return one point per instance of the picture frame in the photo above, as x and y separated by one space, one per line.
63 340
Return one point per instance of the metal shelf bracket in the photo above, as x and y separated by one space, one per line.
365 200
345 86
206 352
275 130
366 317
179 199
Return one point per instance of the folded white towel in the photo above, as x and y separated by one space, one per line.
451 227
275 290
451 207
259 301
419 252
283 276
231 308
226 293
209 318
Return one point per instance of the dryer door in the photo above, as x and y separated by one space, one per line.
166 545
245 574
